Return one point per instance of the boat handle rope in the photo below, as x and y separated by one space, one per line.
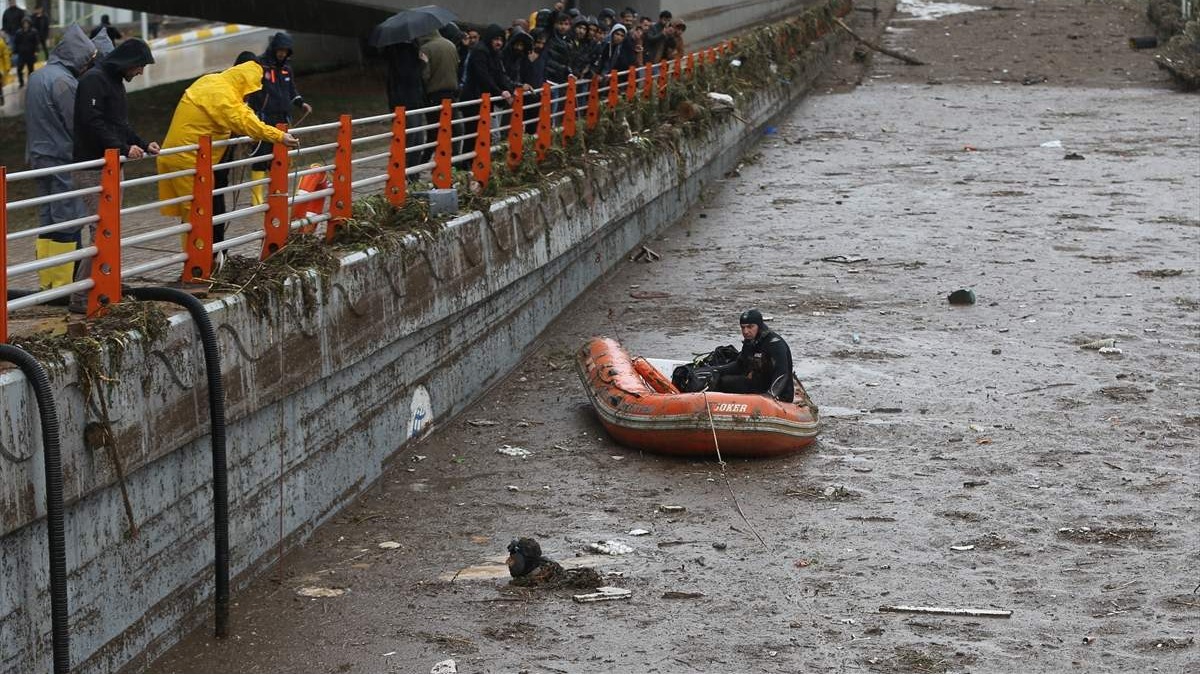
737 505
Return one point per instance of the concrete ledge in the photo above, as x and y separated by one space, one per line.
319 397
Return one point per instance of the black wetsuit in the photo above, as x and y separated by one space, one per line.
763 366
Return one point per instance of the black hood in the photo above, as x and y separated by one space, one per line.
279 40
451 32
490 33
129 54
519 36
753 316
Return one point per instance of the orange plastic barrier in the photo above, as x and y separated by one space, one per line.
516 131
544 132
568 127
397 182
481 168
443 153
106 266
200 239
342 205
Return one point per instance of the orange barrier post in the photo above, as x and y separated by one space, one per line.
341 207
678 72
663 71
277 223
4 252
481 167
614 90
691 64
593 104
200 239
106 265
648 89
397 182
631 84
712 55
544 131
516 130
441 169
568 126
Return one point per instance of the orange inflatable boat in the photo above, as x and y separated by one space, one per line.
640 408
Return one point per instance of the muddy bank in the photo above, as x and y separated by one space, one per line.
1011 470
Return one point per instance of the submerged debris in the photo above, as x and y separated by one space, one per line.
529 567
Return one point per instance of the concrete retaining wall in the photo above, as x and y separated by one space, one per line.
319 397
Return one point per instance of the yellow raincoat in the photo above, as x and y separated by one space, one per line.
212 106
5 64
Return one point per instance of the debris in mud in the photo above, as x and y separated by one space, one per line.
844 259
604 594
833 493
671 508
1111 351
638 532
319 592
649 295
1072 155
1052 144
483 423
1169 643
1125 393
964 547
805 562
513 451
872 519
1108 535
1159 273
610 547
444 667
974 483
528 567
865 354
388 545
1099 344
949 611
963 296
720 545
682 595
645 253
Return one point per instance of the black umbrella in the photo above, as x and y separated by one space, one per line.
410 24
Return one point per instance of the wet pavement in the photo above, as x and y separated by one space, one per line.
972 456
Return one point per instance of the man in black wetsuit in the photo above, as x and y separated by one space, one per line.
764 365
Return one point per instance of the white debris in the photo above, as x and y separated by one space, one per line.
1099 344
513 451
610 547
638 532
512 488
445 667
926 10
482 423
604 594
319 592
724 99
671 508
964 547
1111 351
1052 144
389 544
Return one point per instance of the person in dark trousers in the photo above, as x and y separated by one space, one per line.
405 88
25 45
764 365
439 76
274 102
102 122
41 23
105 25
10 22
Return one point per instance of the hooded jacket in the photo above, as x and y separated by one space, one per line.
516 63
274 101
583 52
611 55
50 99
439 73
557 53
101 111
212 106
485 71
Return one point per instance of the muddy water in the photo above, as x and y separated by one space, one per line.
1066 480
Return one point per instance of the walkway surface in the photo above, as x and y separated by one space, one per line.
972 457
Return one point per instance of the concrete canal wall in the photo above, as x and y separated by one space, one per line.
320 396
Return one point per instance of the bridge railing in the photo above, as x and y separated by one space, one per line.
369 153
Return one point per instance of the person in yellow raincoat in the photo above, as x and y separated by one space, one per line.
5 66
213 106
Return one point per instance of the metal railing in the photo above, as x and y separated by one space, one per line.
556 111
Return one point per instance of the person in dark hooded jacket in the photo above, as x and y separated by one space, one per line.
274 102
25 46
101 123
406 88
612 54
485 69
515 56
764 365
558 49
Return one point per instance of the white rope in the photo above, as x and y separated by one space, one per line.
721 462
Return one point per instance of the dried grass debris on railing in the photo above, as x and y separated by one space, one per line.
305 257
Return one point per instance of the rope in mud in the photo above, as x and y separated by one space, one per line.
737 505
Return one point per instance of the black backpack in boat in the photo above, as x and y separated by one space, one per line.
703 371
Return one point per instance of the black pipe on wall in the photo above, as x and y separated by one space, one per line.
216 409
48 411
